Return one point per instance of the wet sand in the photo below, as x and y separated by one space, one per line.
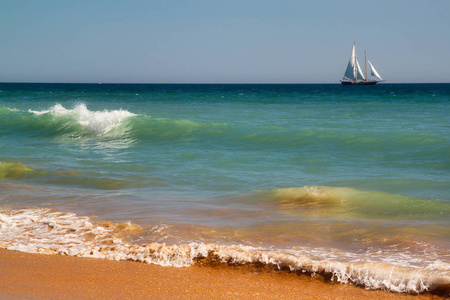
38 276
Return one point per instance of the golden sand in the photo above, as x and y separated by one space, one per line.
38 276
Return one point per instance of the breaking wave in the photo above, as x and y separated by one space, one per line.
53 232
97 122
58 121
82 123
122 125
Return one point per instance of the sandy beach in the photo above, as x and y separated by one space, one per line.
39 276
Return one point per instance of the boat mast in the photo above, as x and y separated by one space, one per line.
365 56
355 70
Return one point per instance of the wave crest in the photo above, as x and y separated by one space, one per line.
19 171
118 125
11 171
346 202
94 122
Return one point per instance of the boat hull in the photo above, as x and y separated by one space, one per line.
372 82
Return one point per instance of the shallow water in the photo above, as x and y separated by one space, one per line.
348 181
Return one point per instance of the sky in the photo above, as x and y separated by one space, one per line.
226 41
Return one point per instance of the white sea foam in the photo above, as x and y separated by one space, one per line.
97 122
52 232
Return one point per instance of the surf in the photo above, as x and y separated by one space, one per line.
60 122
93 123
39 230
81 123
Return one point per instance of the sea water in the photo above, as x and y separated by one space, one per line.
351 182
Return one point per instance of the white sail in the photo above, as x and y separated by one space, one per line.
354 74
349 74
374 72
360 73
350 71
353 71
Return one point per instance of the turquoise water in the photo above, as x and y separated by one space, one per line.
326 178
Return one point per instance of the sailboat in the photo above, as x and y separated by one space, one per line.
354 75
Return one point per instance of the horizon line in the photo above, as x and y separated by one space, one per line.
205 83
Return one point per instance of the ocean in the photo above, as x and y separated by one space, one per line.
347 182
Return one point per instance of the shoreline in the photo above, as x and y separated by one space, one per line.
40 276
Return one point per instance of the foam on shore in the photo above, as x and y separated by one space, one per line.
38 230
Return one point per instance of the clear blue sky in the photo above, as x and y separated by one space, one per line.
226 41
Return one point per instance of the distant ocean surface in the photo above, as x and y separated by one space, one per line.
351 182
